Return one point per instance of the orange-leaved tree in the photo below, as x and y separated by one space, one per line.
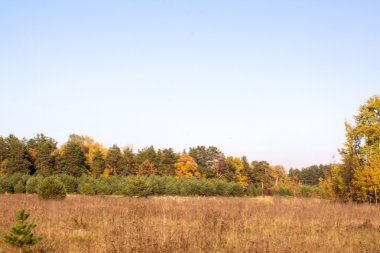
186 166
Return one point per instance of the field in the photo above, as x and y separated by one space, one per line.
196 224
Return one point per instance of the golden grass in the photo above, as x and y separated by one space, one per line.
196 224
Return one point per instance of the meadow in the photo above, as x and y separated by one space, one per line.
195 224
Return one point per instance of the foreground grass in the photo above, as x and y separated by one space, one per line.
196 224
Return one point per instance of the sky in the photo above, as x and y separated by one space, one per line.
272 80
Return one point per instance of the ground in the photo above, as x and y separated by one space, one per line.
196 224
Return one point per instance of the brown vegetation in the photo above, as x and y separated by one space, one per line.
196 224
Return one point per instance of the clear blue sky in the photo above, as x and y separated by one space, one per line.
272 80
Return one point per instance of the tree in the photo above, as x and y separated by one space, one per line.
218 166
235 164
3 150
333 185
262 174
146 169
294 176
279 174
16 156
246 168
208 160
128 162
41 149
148 153
113 160
167 159
186 166
311 175
199 154
97 164
365 185
72 160
21 234
361 146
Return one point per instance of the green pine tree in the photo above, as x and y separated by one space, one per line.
97 164
21 234
72 160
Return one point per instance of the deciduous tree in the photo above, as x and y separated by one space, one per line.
186 166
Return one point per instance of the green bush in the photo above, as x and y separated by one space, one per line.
6 185
172 187
51 188
253 191
284 191
15 178
103 186
207 187
158 184
19 187
33 183
236 190
86 185
10 182
137 186
86 188
222 188
70 182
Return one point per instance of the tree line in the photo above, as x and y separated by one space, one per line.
356 178
81 155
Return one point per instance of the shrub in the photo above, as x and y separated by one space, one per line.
158 184
187 186
86 188
51 188
222 188
103 186
284 191
19 187
6 185
171 187
86 185
137 186
15 178
253 191
1 186
236 190
10 182
207 187
33 183
70 182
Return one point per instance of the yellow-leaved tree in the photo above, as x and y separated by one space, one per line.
366 182
333 186
186 166
236 166
358 177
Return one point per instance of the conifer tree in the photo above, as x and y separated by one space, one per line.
97 164
128 162
17 156
167 159
72 160
21 234
41 149
113 160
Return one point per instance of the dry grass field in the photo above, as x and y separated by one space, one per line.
196 224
